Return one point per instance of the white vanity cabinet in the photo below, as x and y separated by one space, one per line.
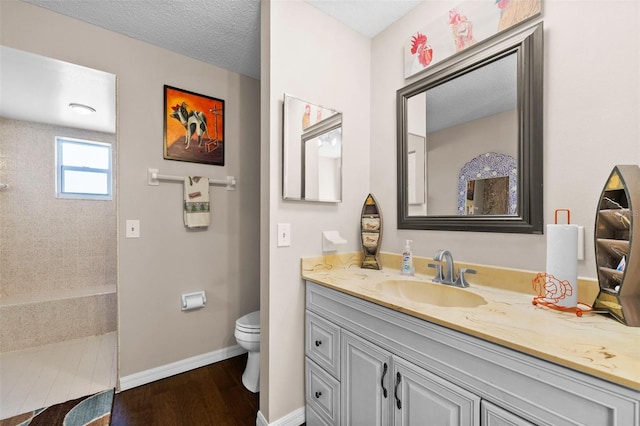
420 395
322 371
371 365
365 382
381 389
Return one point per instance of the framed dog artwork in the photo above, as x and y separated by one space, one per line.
193 127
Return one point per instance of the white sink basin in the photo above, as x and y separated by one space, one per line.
430 293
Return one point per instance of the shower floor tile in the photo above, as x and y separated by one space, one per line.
46 375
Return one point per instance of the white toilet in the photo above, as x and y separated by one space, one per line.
248 337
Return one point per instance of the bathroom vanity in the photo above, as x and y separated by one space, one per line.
380 356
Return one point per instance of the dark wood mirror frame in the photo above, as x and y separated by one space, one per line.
527 42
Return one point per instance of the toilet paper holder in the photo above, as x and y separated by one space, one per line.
194 300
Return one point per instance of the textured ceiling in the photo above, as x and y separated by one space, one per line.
225 33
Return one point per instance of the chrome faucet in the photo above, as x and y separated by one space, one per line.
446 257
449 277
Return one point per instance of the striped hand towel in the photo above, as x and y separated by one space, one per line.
196 202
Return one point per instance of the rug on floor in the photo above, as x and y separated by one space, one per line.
92 410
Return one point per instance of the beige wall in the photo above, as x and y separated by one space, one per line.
313 57
591 110
167 260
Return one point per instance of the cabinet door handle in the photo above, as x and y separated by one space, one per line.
318 343
398 402
384 373
318 394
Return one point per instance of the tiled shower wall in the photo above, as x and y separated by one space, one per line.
57 256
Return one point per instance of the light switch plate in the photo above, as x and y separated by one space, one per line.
133 229
284 234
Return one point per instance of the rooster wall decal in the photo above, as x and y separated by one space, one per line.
420 47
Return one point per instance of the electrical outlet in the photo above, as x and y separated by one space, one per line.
133 229
284 234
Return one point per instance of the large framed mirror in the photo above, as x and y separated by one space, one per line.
312 152
470 139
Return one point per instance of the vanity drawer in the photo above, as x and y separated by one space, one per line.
322 343
314 419
322 393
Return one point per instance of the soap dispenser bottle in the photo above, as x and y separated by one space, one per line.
407 260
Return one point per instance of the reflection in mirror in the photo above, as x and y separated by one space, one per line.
312 152
320 159
461 118
485 102
487 196
497 175
416 155
416 173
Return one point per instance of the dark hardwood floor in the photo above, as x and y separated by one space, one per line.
211 395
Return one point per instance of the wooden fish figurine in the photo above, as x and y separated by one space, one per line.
371 232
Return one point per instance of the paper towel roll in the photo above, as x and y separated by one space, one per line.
562 264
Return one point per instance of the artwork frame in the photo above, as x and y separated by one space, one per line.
194 127
467 24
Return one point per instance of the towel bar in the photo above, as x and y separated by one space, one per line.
154 178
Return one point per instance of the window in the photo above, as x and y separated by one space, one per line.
83 169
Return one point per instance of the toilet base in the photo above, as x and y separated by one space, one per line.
251 375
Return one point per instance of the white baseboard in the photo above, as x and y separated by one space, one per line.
294 418
168 370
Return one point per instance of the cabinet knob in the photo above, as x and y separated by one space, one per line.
318 342
318 394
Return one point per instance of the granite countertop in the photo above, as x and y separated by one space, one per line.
593 344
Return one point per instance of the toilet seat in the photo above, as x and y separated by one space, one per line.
249 323
248 339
